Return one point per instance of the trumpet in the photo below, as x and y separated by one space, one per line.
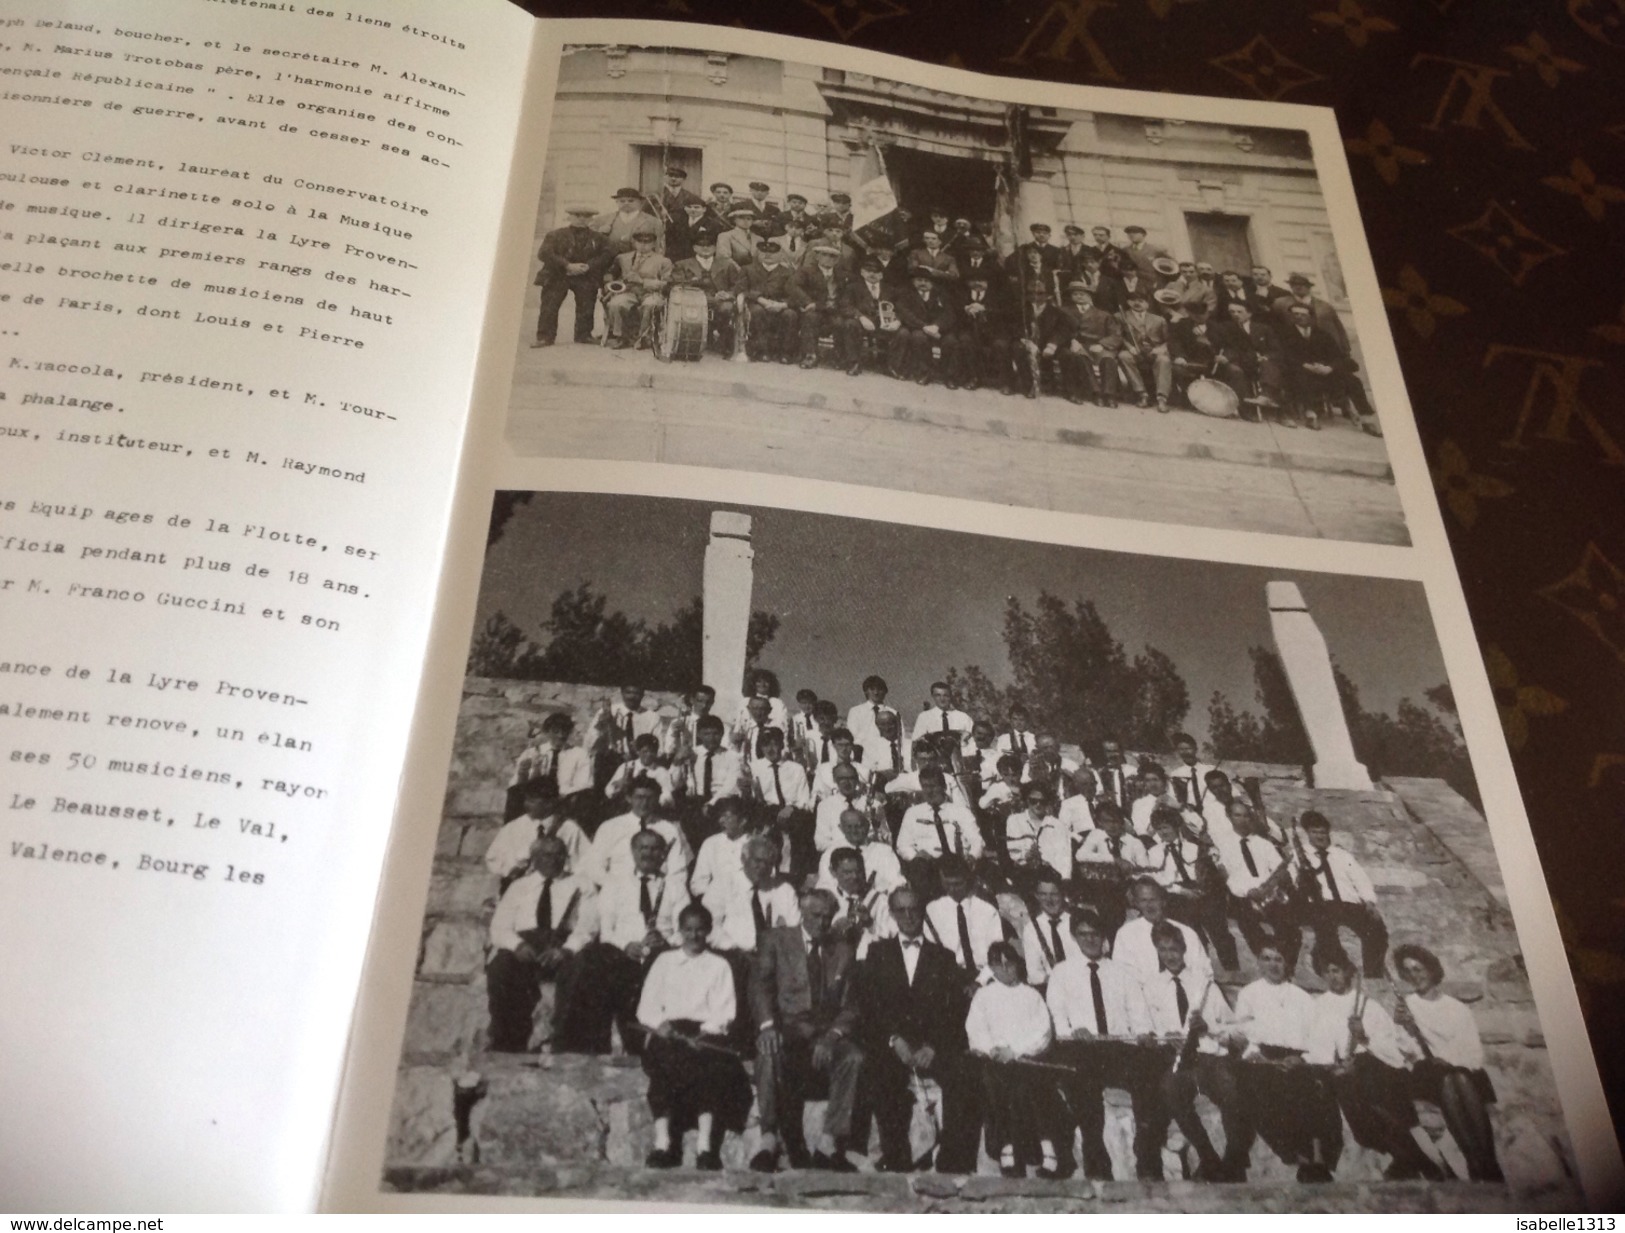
888 314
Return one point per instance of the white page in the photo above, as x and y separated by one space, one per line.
172 1040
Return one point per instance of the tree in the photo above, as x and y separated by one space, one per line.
1076 679
500 649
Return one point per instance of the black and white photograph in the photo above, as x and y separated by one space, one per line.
757 264
788 859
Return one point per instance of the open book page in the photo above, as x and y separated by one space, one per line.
245 251
955 687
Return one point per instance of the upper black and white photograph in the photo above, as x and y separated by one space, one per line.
777 267
792 860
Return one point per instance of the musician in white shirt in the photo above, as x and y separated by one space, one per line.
884 871
1114 781
620 723
1046 938
682 734
687 1007
637 911
937 827
510 851
1353 1034
611 851
1182 868
568 767
1293 1108
862 915
842 753
542 918
1003 796
1190 769
801 725
1008 1022
1185 1003
645 764
721 856
749 727
1449 1068
926 758
1341 893
942 716
1051 767
885 751
1108 860
981 757
1260 884
714 772
847 794
962 922
785 801
863 720
1096 1005
1133 947
1150 789
1036 840
757 898
1017 737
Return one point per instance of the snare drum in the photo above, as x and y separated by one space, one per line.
682 334
1212 397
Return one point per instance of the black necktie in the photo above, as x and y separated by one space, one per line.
945 721
1247 856
1055 936
551 774
1181 1001
1196 788
1331 882
645 905
1099 995
896 755
544 905
1179 861
823 750
1115 846
964 938
629 733
778 788
1021 747
815 973
757 913
705 782
942 835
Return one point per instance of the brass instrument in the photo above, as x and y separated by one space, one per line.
888 314
1308 883
741 330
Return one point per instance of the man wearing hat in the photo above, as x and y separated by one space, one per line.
674 195
773 303
987 328
1089 357
629 215
694 221
574 258
795 210
1043 329
1300 291
1192 344
1315 366
1139 254
1129 280
722 202
822 289
738 243
722 281
1020 262
759 204
931 255
646 274
975 259
862 318
928 325
1070 262
840 205
1144 353
1252 361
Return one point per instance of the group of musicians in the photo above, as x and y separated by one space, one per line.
872 916
930 299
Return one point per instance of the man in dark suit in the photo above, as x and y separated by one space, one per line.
1192 344
913 1022
928 321
987 326
574 259
1252 361
862 318
1314 364
802 997
823 288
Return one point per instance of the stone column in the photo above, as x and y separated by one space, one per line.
728 557
1035 203
1309 673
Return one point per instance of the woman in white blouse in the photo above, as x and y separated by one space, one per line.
1450 1069
1009 1023
687 1008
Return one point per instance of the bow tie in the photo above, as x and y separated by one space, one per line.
912 942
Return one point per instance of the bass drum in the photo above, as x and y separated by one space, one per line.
1213 398
682 333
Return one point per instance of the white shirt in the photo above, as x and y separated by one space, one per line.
516 911
1234 853
575 767
1269 1014
827 819
1329 1030
720 858
1133 949
879 862
1020 743
1078 818
611 851
777 717
824 780
998 793
620 783
1448 1027
929 722
510 850
1012 1017
909 782
1163 862
733 920
727 775
1139 812
917 836
1058 784
878 754
1161 1005
681 737
1197 775
1025 835
881 925
911 954
861 723
1116 785
1353 883
1096 848
614 729
1038 945
684 986
1070 996
620 914
983 923
790 788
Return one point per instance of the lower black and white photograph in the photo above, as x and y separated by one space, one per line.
795 860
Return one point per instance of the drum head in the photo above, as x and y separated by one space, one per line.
1213 398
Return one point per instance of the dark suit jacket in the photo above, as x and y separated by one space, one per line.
1185 344
1143 336
810 280
567 245
779 988
916 314
859 303
778 283
724 276
1319 348
931 1011
1246 349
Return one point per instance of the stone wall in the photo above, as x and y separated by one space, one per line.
467 1120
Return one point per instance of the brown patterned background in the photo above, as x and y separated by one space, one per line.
1487 139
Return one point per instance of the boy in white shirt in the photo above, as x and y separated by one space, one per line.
1046 938
754 719
645 764
619 724
1108 858
1017 737
568 767
713 774
942 716
509 854
863 720
1341 893
721 856
937 827
965 924
1008 1022
801 719
817 748
785 805
1178 865
842 753
982 756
